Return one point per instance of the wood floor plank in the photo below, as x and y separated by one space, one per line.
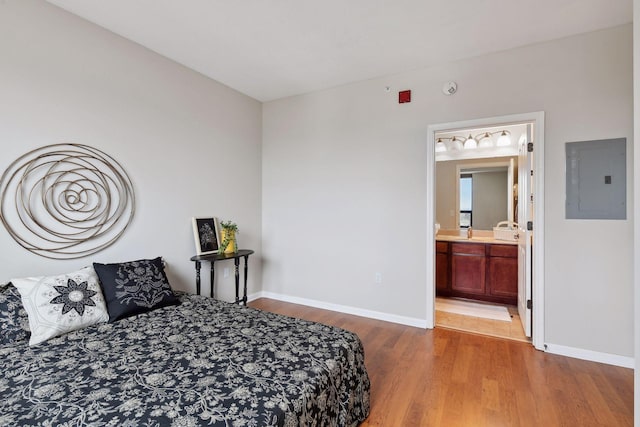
444 377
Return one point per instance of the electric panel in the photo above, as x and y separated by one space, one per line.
597 179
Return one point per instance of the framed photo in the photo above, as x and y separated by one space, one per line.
205 235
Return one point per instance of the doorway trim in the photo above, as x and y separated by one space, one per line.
537 283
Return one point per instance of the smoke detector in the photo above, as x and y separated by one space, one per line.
449 88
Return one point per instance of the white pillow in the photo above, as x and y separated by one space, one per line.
60 304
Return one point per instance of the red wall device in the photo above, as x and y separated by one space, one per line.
404 96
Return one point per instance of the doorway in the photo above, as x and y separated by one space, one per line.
530 161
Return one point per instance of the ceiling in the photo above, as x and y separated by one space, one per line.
279 48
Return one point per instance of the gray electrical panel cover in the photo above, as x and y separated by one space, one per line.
597 179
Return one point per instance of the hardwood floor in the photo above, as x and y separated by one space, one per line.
449 378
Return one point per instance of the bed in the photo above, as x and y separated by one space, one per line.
201 362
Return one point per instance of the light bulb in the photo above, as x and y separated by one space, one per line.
470 143
504 140
440 146
486 141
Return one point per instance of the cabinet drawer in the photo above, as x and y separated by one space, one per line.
467 248
505 251
442 247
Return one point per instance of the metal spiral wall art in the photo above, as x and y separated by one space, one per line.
66 201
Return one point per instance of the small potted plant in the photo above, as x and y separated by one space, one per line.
228 230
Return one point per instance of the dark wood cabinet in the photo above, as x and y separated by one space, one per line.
468 268
502 271
482 271
442 267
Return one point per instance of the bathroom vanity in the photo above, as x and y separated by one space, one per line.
479 268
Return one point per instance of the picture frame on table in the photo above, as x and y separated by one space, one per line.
205 235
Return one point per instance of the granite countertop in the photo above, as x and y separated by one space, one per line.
478 236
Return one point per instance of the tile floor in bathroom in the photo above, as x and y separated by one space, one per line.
496 328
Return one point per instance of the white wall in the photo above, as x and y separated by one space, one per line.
190 145
344 183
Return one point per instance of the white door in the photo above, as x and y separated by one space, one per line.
525 215
510 195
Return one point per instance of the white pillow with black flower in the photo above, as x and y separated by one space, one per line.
60 304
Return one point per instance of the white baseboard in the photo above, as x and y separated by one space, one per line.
403 320
593 356
255 296
577 353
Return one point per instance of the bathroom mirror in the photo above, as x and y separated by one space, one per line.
475 192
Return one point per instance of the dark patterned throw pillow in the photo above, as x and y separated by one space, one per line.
134 287
14 322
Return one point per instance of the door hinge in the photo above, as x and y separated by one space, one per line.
530 147
531 198
530 225
531 172
529 304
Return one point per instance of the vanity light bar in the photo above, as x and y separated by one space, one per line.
482 140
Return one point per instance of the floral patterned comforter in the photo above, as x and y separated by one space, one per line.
204 362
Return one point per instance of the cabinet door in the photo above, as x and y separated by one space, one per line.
442 271
502 276
468 273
